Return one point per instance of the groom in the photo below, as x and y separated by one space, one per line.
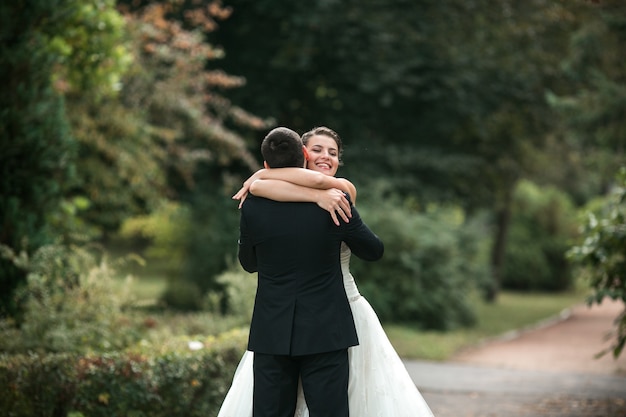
302 325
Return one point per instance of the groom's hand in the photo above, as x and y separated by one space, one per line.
335 202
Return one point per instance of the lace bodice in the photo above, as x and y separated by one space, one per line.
348 280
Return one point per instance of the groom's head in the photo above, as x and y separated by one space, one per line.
282 148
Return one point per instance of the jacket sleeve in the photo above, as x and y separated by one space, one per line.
246 252
362 241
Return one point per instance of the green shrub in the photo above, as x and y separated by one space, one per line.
543 222
240 288
169 379
182 295
36 385
199 241
431 262
211 247
164 232
601 256
71 304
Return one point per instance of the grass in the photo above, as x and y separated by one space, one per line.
511 311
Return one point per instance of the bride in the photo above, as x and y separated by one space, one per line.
379 384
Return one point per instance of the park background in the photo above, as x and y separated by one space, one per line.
486 139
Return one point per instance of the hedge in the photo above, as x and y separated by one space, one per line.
167 380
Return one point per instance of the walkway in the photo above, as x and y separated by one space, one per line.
548 371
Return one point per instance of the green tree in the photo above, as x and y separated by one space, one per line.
181 121
595 123
36 150
50 49
593 115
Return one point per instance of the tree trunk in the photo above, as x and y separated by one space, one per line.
503 220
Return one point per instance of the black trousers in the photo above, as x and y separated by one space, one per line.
324 381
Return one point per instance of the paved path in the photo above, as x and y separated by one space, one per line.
546 371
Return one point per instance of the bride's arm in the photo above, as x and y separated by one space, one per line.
332 200
298 176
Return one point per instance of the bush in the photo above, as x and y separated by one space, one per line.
199 241
211 248
165 230
601 255
156 380
432 261
71 304
240 292
182 295
36 385
543 222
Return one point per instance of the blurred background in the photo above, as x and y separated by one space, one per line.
486 139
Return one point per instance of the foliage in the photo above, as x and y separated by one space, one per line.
543 225
70 304
48 47
594 122
151 381
92 56
240 289
444 100
196 246
602 255
37 385
212 248
429 107
148 143
165 228
188 113
121 168
33 134
592 112
180 144
432 260
183 295
177 82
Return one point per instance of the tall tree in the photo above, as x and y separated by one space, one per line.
40 38
595 123
180 119
594 110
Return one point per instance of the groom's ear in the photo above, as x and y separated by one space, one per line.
265 165
305 152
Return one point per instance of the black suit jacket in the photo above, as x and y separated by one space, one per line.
301 306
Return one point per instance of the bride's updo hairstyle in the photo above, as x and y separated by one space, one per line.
325 131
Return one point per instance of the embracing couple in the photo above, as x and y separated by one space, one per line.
316 348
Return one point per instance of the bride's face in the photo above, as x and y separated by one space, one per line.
323 154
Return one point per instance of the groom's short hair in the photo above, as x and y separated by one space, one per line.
282 148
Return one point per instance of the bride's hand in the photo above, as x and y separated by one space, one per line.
335 202
242 193
245 189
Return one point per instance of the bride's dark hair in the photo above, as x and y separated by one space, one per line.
325 131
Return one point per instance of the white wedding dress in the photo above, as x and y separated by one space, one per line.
379 384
